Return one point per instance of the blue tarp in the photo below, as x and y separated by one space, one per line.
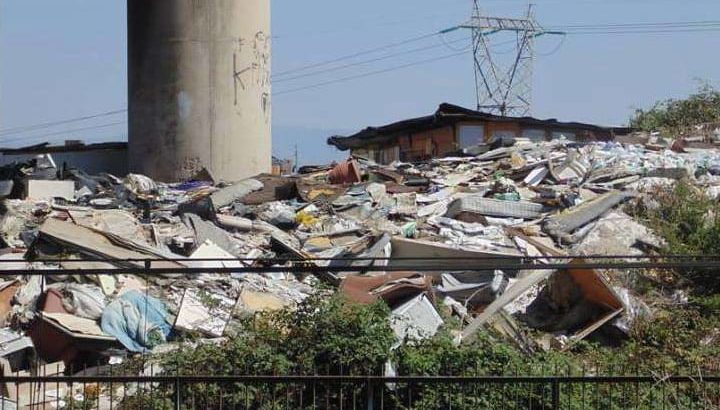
139 322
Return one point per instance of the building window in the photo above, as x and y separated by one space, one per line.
390 154
534 135
570 136
471 135
504 136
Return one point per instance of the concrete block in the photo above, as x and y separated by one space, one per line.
39 189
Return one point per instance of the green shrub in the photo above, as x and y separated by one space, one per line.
673 116
689 222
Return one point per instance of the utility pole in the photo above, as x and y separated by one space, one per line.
295 164
503 81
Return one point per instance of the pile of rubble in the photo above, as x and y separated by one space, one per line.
348 222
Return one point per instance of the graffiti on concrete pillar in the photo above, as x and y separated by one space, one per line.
261 58
256 72
238 76
261 51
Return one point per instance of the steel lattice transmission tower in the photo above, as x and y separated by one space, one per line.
503 80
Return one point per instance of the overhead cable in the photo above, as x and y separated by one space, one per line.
357 54
385 70
34 137
33 127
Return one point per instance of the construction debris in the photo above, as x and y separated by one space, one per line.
365 228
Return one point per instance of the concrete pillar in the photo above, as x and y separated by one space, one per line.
199 88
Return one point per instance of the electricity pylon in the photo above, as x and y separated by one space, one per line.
503 81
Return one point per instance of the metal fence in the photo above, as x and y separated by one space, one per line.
363 392
114 387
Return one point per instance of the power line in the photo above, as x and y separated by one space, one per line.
360 53
648 24
610 32
554 50
385 70
33 127
373 60
364 26
34 137
572 29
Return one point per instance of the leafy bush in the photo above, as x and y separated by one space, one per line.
323 335
673 116
689 222
330 335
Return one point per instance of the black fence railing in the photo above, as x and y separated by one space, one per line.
362 392
114 387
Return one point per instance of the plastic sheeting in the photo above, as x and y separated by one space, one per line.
85 301
634 309
139 322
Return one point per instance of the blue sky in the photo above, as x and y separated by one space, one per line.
66 58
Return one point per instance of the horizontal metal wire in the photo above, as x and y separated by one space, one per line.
373 258
472 265
362 379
